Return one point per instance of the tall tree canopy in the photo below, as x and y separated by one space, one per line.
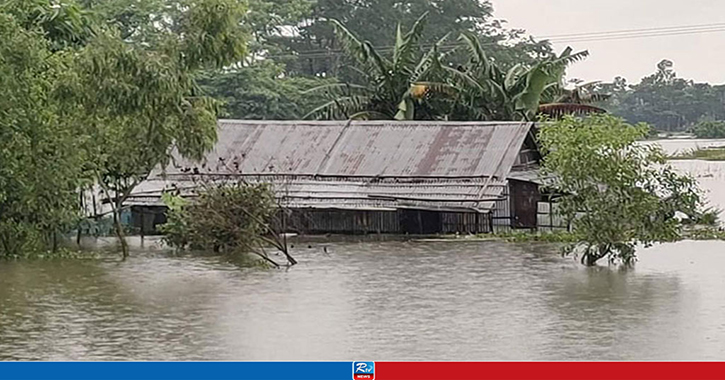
40 152
123 80
375 21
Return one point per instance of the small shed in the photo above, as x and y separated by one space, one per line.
415 177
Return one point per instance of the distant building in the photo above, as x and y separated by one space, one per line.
417 177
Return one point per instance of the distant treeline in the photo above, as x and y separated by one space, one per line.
667 102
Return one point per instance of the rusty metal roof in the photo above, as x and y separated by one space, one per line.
361 164
366 148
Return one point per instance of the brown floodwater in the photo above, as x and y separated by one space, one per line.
374 301
392 301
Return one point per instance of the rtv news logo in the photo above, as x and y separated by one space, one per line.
363 370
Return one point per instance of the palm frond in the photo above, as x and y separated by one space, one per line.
513 76
363 75
350 44
594 98
557 110
567 58
479 58
339 108
334 89
381 64
552 92
465 80
536 81
430 61
588 85
399 41
406 46
369 115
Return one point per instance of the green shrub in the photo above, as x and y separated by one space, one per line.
222 218
709 130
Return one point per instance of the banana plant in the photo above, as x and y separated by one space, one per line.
388 87
485 91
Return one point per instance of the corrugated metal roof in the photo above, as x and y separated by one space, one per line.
366 148
370 164
533 176
355 193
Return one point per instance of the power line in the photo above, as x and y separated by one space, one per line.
563 38
682 28
642 35
669 28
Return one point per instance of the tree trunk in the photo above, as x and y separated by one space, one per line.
591 260
593 255
119 230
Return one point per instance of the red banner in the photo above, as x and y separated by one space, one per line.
548 371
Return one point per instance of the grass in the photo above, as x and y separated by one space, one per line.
707 154
60 254
700 231
707 233
543 237
699 234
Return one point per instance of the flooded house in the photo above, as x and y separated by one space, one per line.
358 177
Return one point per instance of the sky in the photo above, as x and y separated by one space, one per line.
698 56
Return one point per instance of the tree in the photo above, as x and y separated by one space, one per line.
134 91
64 25
318 45
259 87
261 91
617 193
40 155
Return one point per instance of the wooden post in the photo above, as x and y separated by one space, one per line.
143 224
551 215
420 223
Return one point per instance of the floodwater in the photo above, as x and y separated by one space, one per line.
374 301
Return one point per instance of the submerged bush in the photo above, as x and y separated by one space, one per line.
226 218
222 218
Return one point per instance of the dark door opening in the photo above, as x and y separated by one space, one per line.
420 222
525 198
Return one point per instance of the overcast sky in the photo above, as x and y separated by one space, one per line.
698 56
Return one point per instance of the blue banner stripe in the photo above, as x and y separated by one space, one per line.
175 370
